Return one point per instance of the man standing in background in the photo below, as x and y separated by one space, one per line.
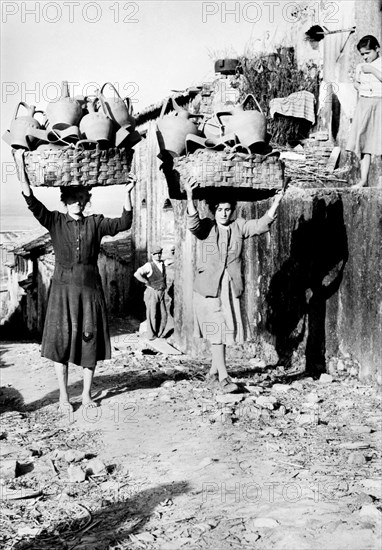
153 275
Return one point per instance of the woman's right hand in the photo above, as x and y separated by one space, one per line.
18 155
190 185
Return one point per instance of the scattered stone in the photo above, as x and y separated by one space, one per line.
273 431
74 455
95 466
261 523
372 487
229 397
370 511
332 367
168 384
145 537
305 418
26 531
340 365
258 363
326 378
360 429
312 397
356 458
281 387
9 469
76 474
352 445
266 401
256 390
281 411
251 537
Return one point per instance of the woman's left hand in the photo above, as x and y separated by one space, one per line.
276 203
131 181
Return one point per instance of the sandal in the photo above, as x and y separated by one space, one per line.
227 386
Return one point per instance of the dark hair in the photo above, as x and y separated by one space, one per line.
369 42
70 192
214 205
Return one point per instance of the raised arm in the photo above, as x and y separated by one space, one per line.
368 68
18 155
263 224
112 226
198 227
189 187
40 212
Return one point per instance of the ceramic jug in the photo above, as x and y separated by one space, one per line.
97 126
118 109
64 112
249 126
25 130
172 130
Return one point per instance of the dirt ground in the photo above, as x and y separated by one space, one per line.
166 463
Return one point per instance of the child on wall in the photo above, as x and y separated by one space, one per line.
366 131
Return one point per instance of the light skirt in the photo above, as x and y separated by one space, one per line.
219 319
366 130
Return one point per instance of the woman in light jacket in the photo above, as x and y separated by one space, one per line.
218 283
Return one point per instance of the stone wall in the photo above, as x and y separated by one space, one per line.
314 289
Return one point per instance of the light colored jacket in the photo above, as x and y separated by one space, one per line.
221 249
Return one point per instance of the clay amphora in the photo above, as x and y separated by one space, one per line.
64 112
172 130
25 130
97 126
249 126
118 109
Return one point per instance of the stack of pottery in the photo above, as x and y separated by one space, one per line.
236 127
106 121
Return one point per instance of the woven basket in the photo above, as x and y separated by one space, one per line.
225 169
78 166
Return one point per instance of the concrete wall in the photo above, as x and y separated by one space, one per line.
315 290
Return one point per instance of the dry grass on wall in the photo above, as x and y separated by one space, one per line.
268 76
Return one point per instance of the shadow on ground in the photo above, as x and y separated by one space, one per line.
110 524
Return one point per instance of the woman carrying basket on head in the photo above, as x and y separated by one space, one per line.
76 328
218 283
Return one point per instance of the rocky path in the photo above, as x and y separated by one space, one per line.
164 463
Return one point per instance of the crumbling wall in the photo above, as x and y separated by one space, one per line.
116 278
314 290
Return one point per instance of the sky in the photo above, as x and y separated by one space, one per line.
146 48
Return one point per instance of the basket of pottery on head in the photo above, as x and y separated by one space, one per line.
226 149
79 141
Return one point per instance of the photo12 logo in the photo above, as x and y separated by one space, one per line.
269 11
69 12
49 92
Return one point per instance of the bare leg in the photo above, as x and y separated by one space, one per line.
218 365
365 166
88 375
62 378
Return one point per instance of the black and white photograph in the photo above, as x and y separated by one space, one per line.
191 275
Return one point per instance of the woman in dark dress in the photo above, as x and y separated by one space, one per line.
76 328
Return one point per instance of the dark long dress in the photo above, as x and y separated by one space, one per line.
76 328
